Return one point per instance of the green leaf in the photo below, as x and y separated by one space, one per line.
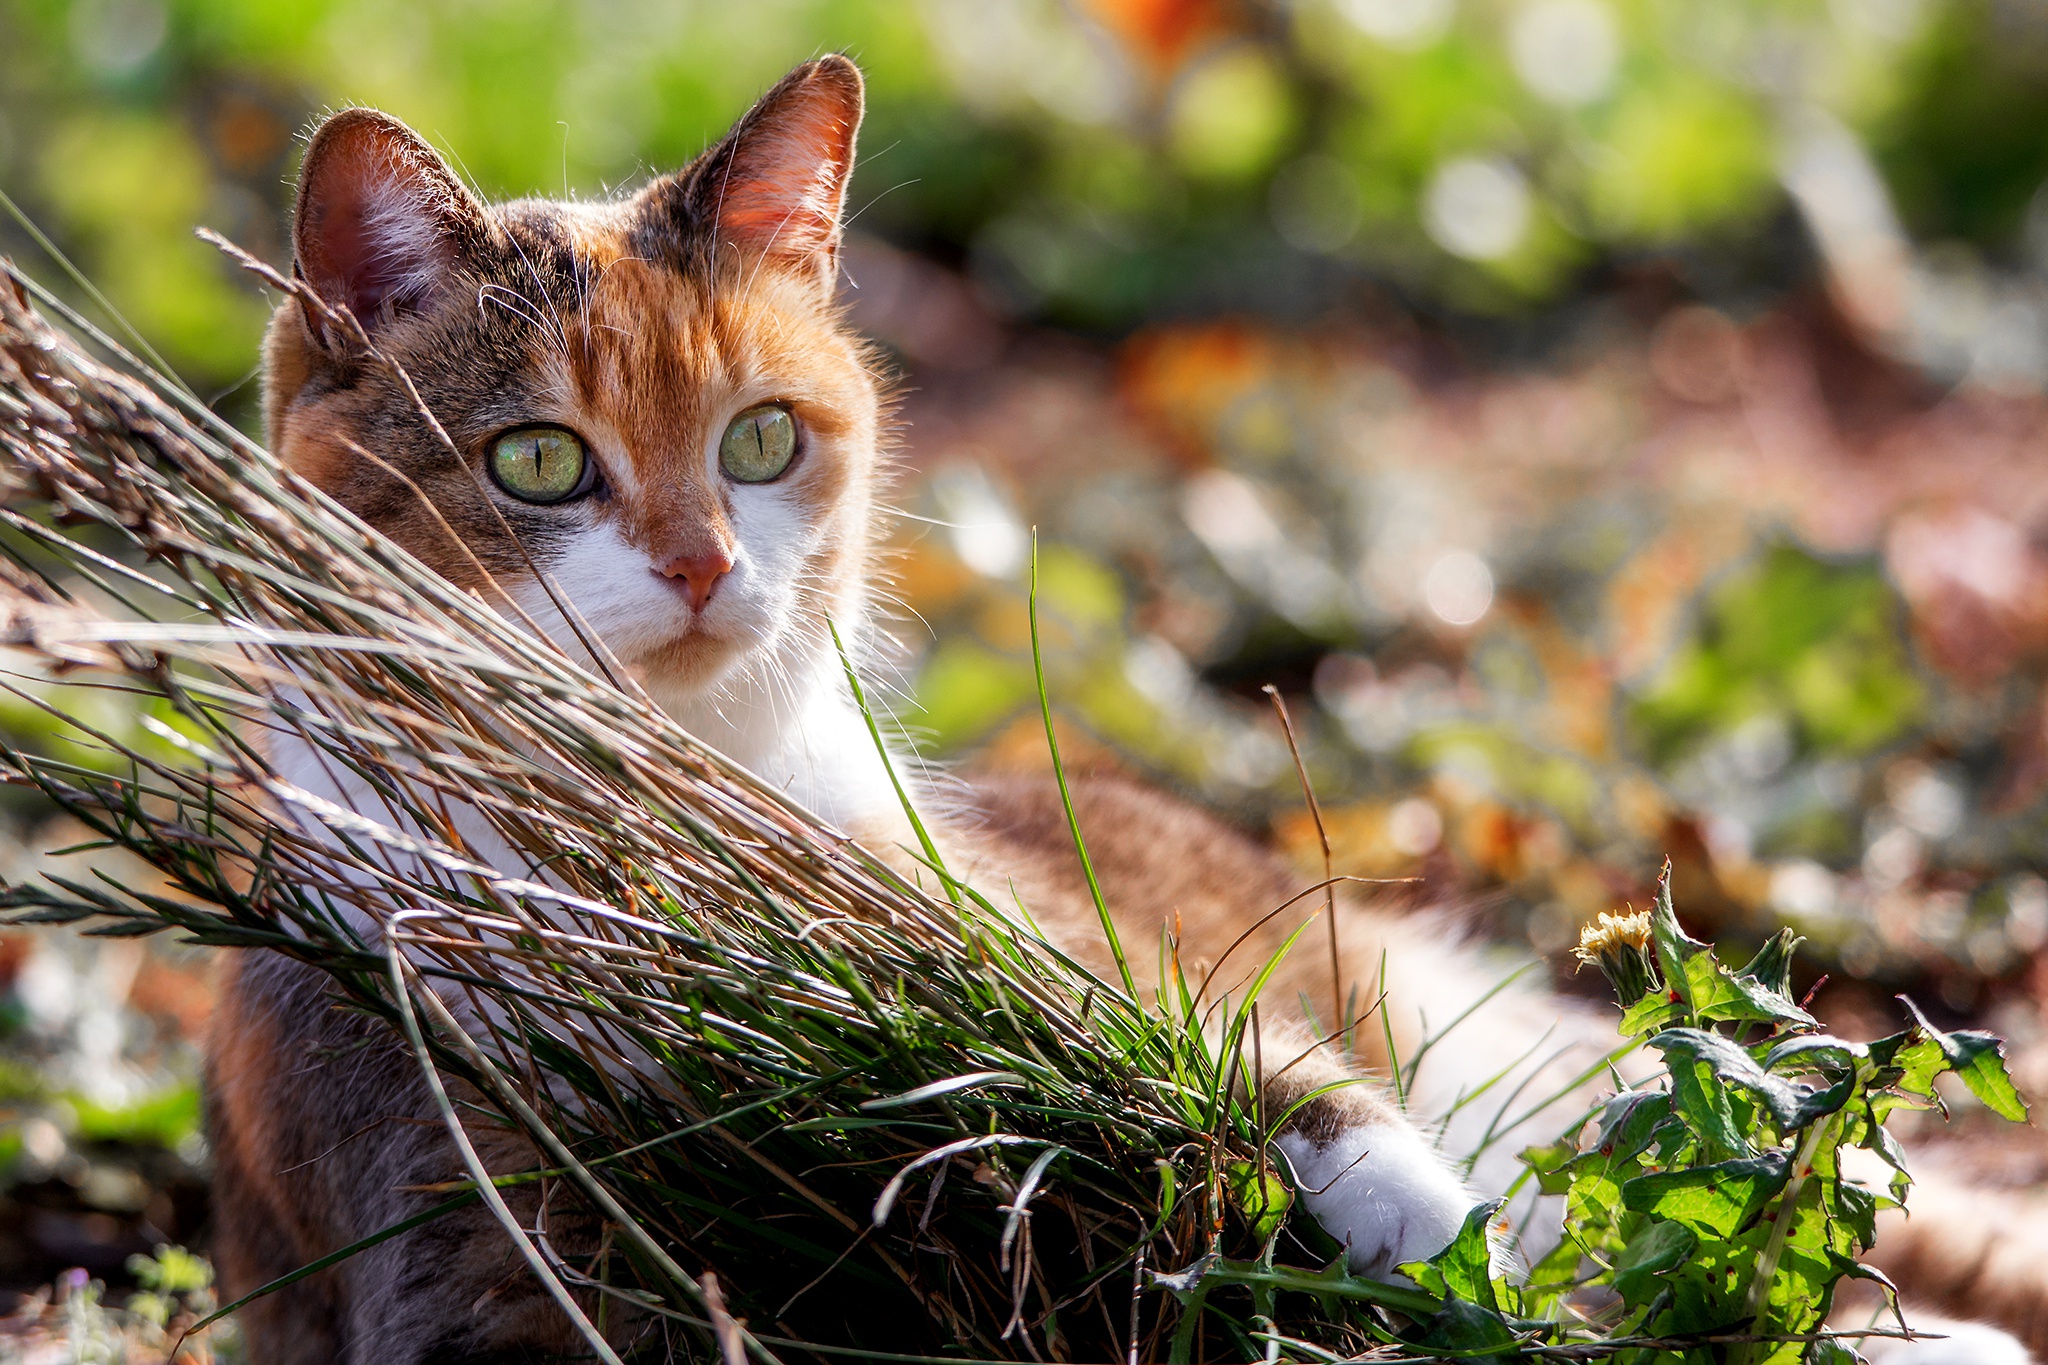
1875 1138
1260 1194
1772 965
1467 1328
1548 1163
1557 1272
1657 1011
1979 1058
1674 947
1463 1269
1719 994
1815 1052
1714 1200
1855 1210
1701 1101
1629 1120
1918 1066
1792 1105
1661 1247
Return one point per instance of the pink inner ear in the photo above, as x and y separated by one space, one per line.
372 231
784 187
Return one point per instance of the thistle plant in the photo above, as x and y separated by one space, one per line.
1713 1200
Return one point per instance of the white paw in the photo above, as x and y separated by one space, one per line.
1962 1343
1381 1191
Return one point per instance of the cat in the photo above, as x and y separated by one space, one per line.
671 440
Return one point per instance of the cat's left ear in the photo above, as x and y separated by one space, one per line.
775 187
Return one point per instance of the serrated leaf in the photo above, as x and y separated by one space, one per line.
1718 994
1628 1119
1792 1105
1717 1200
1979 1058
1655 1011
1698 1098
1814 1052
1465 1267
1918 1065
1885 1051
1674 947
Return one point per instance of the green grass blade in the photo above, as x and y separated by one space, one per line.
1059 772
860 699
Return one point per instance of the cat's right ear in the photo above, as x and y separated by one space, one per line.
774 187
381 221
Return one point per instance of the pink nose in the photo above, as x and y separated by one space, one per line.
700 575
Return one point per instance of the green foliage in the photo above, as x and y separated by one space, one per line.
1707 1219
1092 178
172 1281
1713 1201
1961 147
164 1118
1792 636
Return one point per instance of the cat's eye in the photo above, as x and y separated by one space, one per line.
541 464
759 444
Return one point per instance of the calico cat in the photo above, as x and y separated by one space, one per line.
659 408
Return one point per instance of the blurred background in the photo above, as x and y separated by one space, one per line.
1614 426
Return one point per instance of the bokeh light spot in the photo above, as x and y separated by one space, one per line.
1400 23
1565 51
1477 208
1231 115
1458 588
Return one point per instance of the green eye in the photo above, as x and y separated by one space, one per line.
541 464
759 444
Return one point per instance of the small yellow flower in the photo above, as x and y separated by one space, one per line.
1619 945
1612 933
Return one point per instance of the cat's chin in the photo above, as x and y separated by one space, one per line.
690 663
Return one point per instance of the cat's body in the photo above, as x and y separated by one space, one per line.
663 436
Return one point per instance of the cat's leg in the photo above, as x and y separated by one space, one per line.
455 1291
325 1134
457 1288
1367 1175
251 1247
1376 1183
254 1238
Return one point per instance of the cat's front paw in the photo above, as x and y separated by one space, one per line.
1381 1191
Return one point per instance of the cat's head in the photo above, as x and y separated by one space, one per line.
652 424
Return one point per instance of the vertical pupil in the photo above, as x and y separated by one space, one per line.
760 440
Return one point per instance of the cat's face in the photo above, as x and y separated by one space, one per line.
656 429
